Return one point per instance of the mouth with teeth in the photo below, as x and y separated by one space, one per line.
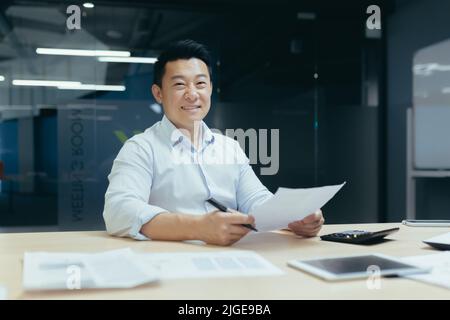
190 108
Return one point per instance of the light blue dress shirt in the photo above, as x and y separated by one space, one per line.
160 171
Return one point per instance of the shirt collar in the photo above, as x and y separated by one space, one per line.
176 136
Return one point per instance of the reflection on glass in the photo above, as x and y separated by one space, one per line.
69 99
431 92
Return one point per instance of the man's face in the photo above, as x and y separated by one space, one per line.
185 92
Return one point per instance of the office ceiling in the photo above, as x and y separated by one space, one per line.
279 42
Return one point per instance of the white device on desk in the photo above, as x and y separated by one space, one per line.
441 242
426 223
354 267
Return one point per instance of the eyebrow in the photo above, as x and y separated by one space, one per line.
182 77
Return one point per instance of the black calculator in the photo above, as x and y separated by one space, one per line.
358 236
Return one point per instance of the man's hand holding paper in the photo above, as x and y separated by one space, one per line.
293 208
308 226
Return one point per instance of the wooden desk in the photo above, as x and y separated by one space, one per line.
277 247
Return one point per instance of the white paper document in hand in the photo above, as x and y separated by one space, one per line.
289 205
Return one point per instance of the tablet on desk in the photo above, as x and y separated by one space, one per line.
354 267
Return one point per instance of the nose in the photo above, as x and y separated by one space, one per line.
191 94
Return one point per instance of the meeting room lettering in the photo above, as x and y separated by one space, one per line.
76 166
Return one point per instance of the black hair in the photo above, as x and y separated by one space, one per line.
184 49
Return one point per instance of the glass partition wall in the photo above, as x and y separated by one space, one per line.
75 85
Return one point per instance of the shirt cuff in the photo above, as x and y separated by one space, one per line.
146 214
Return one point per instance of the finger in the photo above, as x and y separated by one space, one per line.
238 230
309 233
314 230
315 224
295 226
296 223
235 238
316 216
320 222
299 225
239 218
305 228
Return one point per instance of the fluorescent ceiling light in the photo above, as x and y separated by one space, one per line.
2 78
44 83
92 87
127 59
82 53
88 5
68 85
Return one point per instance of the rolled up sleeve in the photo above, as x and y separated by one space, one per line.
126 207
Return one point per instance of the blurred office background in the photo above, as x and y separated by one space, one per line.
337 91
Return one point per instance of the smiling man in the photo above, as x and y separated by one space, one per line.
153 195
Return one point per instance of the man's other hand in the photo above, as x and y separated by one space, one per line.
308 226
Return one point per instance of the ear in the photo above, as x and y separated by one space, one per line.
157 94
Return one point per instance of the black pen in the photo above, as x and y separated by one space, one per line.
221 207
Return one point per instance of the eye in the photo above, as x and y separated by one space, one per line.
201 83
179 85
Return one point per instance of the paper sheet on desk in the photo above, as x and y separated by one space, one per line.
110 269
440 268
288 205
181 265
